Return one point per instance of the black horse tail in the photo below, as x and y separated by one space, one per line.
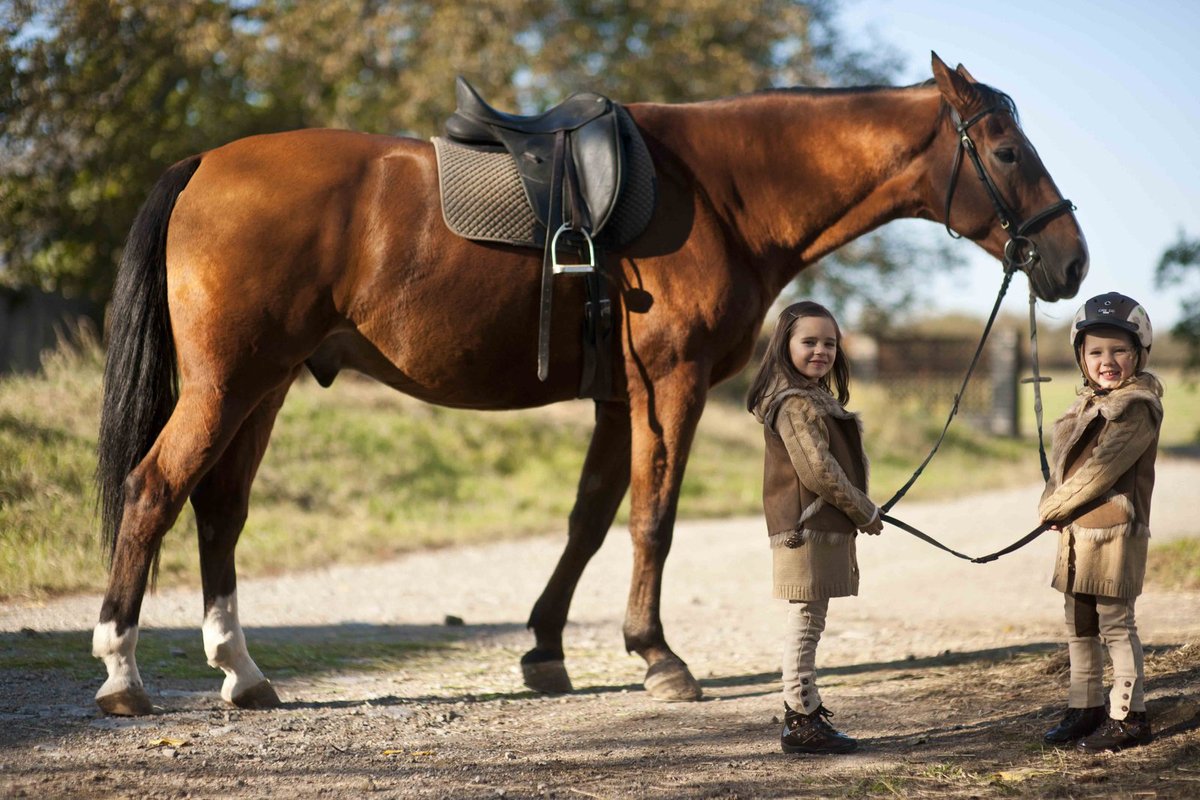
141 376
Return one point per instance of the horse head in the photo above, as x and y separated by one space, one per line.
1014 211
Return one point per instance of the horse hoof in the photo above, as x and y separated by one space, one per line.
547 677
129 702
670 681
260 695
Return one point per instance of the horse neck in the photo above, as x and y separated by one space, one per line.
797 174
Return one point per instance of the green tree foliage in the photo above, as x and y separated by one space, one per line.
98 97
1180 264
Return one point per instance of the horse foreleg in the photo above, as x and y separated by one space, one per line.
155 492
602 485
221 501
663 422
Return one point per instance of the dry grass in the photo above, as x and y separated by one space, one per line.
360 473
1174 565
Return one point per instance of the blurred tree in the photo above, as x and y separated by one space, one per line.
677 50
97 97
1175 266
875 279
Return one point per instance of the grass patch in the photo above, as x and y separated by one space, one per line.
1174 565
359 473
1181 405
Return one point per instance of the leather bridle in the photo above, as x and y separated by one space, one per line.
1012 250
1018 240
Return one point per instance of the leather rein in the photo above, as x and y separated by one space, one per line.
1017 243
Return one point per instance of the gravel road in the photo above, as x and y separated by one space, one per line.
925 650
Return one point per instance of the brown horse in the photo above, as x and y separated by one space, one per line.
328 248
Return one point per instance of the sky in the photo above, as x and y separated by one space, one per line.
1109 94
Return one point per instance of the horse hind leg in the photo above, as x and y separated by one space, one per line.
602 485
198 429
221 501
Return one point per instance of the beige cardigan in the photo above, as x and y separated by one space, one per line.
814 492
1101 481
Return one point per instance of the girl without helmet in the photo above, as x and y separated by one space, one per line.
814 496
1098 498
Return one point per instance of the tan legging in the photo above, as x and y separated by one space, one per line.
1092 620
805 623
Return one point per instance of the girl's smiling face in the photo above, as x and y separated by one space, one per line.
1109 358
813 346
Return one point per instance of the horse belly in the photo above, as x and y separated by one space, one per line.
462 330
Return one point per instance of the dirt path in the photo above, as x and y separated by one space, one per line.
946 671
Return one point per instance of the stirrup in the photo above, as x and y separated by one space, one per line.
584 268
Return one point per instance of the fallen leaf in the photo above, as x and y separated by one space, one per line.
393 752
1021 774
166 742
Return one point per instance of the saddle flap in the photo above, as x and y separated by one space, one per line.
599 161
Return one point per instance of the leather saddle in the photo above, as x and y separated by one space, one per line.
576 145
571 163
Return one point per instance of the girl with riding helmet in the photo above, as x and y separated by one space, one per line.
1098 498
814 496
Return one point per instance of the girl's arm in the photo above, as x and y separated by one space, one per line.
1122 442
807 443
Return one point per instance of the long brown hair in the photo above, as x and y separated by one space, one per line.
778 359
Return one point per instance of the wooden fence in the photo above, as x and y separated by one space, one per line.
32 322
929 370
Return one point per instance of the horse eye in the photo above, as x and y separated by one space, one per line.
1006 155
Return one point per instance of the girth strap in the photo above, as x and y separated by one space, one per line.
596 381
568 210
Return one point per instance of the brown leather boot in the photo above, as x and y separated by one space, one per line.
1119 734
1076 724
810 733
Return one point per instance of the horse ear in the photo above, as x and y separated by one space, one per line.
961 70
958 91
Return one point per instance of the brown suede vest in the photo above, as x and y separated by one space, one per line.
785 498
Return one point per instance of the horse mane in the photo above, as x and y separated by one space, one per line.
994 95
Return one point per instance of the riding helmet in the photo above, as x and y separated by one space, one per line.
1113 310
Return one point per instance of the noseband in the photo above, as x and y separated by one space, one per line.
1017 239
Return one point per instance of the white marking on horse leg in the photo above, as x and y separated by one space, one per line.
118 654
225 646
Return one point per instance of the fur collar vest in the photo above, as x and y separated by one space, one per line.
780 389
1092 403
